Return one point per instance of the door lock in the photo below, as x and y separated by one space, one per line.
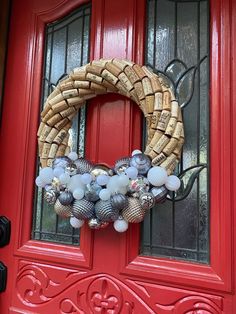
5 231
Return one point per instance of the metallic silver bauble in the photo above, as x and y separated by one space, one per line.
133 212
118 201
66 198
94 223
121 165
92 192
101 169
56 184
50 196
71 169
159 193
83 209
105 212
140 184
141 162
83 166
61 162
147 200
63 210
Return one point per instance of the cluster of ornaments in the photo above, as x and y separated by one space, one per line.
100 195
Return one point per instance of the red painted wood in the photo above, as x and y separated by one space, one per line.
106 271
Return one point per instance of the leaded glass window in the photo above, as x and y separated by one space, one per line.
177 47
66 47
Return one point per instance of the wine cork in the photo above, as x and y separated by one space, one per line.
60 137
143 107
56 118
46 130
158 134
70 93
61 150
48 116
171 126
72 115
151 133
109 77
139 71
148 121
66 85
121 89
179 146
53 133
169 148
56 99
155 118
50 162
131 74
169 160
150 103
166 101
45 150
158 101
100 63
59 125
147 87
152 154
111 67
174 109
98 89
43 162
158 159
171 167
139 90
40 147
124 79
156 86
180 118
46 108
67 151
94 78
133 96
67 126
83 92
178 130
120 63
66 139
182 132
54 93
94 69
163 141
74 101
78 76
147 71
81 84
40 129
85 97
109 86
67 112
163 121
59 106
130 63
53 150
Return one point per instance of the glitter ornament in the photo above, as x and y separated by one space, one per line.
173 183
83 209
50 197
133 212
157 176
132 172
66 198
147 200
120 225
92 191
63 210
104 194
118 201
121 165
76 223
78 194
102 179
94 223
73 156
136 151
159 193
140 184
100 170
105 212
86 178
71 169
83 165
141 162
61 162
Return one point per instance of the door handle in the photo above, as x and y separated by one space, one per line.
3 277
5 231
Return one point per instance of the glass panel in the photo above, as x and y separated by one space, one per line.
67 47
177 45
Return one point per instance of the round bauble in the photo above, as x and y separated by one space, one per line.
50 196
61 162
56 183
102 179
104 194
141 162
78 194
83 165
94 223
64 178
73 156
147 200
46 174
92 191
159 193
86 178
58 171
157 176
121 165
132 172
63 210
75 183
173 183
101 169
76 223
83 209
136 151
105 212
140 184
123 180
71 169
120 225
133 212
118 201
66 198
39 182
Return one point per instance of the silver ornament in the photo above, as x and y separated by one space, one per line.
92 192
140 184
105 212
83 166
159 193
61 162
141 162
56 184
83 209
147 200
63 210
66 198
118 201
121 165
71 169
133 212
94 223
50 196
101 169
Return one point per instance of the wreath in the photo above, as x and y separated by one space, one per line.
82 191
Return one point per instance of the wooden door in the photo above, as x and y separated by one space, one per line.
106 273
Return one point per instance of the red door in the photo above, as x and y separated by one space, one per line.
106 273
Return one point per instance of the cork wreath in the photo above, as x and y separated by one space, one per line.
138 175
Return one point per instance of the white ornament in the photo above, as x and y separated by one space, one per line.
78 194
102 179
75 183
157 176
58 171
132 172
64 178
73 156
46 174
172 183
76 223
39 182
86 178
104 194
123 180
120 225
136 151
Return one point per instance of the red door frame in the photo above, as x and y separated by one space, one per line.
218 278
